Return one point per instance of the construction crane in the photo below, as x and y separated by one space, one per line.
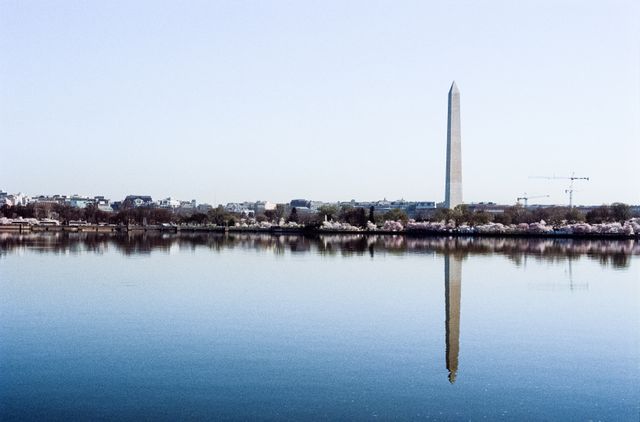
526 198
570 190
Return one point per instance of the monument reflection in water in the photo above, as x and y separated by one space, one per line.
452 287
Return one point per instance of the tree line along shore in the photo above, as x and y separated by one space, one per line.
608 221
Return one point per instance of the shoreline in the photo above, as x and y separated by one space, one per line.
114 229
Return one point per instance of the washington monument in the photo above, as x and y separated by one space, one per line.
453 186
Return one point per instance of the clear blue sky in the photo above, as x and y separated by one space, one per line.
332 100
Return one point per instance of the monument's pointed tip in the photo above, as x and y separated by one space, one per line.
454 87
452 377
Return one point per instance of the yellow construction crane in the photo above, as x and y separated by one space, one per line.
570 189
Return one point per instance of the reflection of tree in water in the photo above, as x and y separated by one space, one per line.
616 253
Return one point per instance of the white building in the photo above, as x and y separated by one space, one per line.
14 199
262 206
188 205
168 203
236 207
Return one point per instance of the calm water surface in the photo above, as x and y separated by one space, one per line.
163 327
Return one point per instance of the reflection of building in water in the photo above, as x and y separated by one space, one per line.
452 286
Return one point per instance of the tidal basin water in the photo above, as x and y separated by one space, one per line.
167 327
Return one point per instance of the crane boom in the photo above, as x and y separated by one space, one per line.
570 189
558 177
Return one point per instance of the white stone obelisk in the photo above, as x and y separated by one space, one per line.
453 185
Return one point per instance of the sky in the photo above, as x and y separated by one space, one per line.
225 101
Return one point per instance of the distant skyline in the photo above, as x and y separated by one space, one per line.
234 101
